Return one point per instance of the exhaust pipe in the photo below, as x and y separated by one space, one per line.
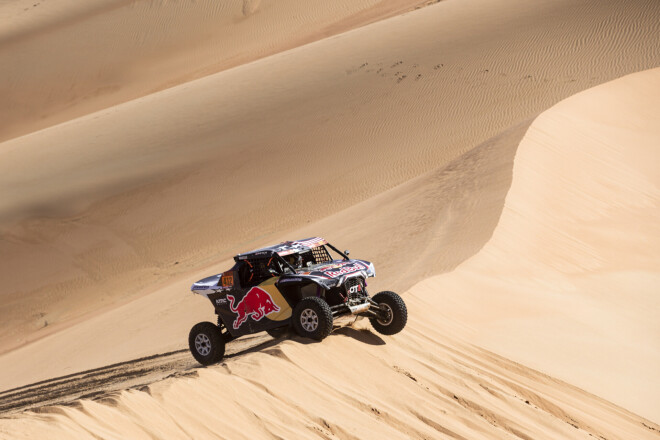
359 308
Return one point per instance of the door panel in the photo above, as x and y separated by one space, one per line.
253 309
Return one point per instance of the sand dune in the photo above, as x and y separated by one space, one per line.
65 59
395 139
434 223
354 385
438 386
569 281
262 148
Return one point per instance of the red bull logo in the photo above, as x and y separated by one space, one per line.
256 303
343 270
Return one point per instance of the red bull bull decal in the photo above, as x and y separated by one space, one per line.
256 303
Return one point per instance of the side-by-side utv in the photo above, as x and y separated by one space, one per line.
295 284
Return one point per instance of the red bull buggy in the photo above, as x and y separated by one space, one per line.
293 284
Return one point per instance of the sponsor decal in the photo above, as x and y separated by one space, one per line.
288 249
355 289
228 280
257 303
355 267
311 242
287 280
201 287
219 301
331 266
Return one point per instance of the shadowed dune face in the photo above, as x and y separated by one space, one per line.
267 147
427 225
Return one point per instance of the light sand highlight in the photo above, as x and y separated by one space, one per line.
569 281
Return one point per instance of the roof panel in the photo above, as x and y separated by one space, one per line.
284 248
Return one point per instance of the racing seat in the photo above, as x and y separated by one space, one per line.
254 272
244 274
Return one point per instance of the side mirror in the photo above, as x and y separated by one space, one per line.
346 252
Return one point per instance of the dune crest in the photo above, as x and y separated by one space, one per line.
568 283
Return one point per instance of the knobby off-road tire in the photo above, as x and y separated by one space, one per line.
206 343
398 313
312 318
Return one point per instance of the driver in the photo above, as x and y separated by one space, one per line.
294 260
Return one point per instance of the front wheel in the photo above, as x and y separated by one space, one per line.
312 318
393 315
206 343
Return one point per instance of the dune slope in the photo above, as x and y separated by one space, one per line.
65 59
438 386
566 284
425 226
419 384
569 282
118 201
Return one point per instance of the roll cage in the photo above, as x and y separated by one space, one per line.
261 264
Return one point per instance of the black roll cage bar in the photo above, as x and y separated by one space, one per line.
338 251
279 258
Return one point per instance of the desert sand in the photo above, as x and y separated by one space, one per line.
68 58
465 147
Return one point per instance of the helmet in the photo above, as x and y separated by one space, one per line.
294 260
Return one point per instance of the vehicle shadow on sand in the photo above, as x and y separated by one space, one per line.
138 373
365 336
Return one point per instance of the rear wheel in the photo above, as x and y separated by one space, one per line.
394 315
206 343
312 318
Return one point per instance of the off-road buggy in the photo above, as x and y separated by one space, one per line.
294 284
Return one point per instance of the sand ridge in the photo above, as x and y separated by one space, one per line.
575 249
